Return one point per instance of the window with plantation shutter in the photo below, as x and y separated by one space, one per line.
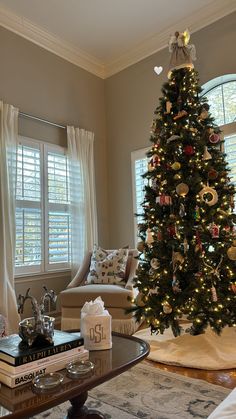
221 95
58 217
230 150
43 230
139 163
28 209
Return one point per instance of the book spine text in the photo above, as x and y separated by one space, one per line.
19 379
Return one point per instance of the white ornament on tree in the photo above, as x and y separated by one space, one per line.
204 195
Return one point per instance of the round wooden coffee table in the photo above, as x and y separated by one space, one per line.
22 402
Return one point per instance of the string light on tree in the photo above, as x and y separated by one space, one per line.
187 263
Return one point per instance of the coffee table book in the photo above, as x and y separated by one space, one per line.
12 353
11 369
15 380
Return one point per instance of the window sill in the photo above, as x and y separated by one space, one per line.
41 276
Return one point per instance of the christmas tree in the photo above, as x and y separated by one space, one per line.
187 262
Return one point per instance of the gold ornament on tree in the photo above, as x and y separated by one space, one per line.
168 106
206 154
182 189
167 308
231 253
176 165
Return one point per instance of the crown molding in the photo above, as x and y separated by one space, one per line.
50 42
23 27
200 19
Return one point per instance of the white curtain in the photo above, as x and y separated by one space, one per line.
83 195
8 143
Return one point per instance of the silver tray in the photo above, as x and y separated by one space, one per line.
81 368
45 382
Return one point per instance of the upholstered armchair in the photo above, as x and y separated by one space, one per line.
115 296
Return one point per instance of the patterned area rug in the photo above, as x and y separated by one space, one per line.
149 393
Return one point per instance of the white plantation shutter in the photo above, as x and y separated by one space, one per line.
230 150
28 209
28 237
140 169
59 224
43 227
59 237
139 163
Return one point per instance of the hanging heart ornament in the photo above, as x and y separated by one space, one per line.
158 70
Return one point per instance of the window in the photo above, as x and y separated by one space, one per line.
43 231
221 95
139 163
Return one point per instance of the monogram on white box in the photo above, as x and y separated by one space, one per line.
96 325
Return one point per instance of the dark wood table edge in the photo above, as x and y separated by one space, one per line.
69 395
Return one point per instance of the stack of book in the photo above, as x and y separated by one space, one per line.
19 366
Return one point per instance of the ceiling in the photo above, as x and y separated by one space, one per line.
106 36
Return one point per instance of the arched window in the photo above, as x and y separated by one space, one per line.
221 95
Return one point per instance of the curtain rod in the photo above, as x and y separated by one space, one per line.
26 115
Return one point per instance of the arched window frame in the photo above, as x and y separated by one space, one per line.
228 129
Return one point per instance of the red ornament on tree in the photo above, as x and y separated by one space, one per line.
164 200
212 174
171 230
215 231
189 150
214 138
233 287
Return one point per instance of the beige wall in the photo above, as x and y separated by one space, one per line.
131 98
42 84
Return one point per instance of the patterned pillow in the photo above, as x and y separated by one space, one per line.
107 267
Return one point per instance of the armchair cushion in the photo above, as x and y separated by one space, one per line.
108 267
113 296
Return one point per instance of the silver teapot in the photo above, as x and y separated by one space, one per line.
37 330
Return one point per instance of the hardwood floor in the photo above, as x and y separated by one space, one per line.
224 378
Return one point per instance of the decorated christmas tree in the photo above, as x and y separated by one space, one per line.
187 262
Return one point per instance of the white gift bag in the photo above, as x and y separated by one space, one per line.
96 325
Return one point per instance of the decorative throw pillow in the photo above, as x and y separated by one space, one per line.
108 267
